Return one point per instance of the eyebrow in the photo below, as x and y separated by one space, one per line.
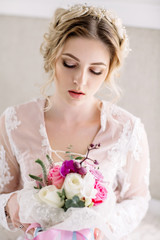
72 56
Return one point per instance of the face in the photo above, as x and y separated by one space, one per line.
80 69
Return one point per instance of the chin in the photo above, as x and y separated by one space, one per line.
76 102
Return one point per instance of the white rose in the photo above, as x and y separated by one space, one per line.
88 201
50 196
73 184
88 190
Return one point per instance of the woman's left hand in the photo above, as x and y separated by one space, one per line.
98 235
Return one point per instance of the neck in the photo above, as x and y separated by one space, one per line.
80 113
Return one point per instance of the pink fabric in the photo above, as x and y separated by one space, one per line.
55 234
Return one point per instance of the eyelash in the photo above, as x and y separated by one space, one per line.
73 66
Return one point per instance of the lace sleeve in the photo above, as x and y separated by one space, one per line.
9 173
132 189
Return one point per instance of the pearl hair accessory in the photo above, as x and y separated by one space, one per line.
102 13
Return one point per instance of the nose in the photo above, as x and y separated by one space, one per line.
82 77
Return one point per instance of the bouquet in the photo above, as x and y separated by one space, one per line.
62 197
75 183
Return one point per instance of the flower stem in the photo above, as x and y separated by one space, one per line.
92 147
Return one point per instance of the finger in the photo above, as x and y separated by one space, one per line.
98 235
25 227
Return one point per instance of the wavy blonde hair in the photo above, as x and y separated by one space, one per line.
88 22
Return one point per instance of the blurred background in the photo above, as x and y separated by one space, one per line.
22 26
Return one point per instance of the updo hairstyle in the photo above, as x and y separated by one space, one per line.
91 23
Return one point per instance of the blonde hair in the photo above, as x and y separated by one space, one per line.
88 22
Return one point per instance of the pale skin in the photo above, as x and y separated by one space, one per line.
74 118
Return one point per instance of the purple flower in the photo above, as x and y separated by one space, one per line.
96 162
67 167
82 171
91 145
77 165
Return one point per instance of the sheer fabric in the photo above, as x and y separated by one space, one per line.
123 158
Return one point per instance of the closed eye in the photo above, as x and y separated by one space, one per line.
68 65
73 66
96 73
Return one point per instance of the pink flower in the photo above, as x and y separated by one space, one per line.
55 178
97 174
101 193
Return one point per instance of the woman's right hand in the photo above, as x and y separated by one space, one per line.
12 209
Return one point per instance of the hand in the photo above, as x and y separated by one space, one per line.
98 235
12 209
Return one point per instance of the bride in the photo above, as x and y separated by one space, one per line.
83 50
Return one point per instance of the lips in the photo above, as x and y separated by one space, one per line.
76 94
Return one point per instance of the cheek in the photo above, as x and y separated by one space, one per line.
63 74
98 81
95 85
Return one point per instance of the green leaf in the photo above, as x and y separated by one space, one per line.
67 151
74 202
43 169
59 194
77 158
36 178
62 194
49 160
39 187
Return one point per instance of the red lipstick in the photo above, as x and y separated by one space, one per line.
76 94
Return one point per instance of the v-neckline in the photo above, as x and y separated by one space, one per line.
103 119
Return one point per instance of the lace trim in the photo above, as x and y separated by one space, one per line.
4 170
123 180
3 221
103 116
134 145
11 124
115 111
127 216
42 131
136 151
119 149
11 119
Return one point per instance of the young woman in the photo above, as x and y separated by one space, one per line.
83 49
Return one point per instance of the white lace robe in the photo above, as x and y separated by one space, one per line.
123 158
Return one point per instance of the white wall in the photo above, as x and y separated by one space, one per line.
137 13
